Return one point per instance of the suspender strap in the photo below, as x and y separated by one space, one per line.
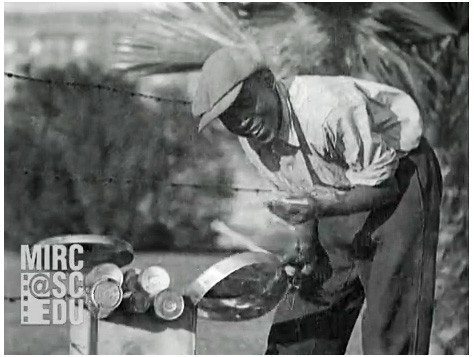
305 150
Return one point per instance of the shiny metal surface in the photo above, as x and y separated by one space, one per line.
103 297
246 306
123 333
98 249
105 270
241 287
106 294
153 280
168 305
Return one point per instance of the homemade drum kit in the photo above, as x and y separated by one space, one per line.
138 310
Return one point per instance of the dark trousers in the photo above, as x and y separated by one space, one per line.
387 257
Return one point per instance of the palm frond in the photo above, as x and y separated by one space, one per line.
414 22
177 37
320 40
295 46
333 39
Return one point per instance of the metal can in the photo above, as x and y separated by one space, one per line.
168 305
104 271
153 280
136 302
103 297
130 279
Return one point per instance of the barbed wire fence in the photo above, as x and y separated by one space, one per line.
94 86
112 179
133 94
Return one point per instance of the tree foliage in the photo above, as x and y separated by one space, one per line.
91 161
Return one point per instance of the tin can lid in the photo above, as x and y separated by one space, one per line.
104 271
105 295
154 279
168 305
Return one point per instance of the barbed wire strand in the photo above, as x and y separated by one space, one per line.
94 179
109 88
95 86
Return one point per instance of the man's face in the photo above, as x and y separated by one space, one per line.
255 113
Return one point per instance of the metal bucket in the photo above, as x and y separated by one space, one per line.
244 288
241 287
139 334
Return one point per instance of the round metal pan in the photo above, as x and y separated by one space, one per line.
98 249
241 287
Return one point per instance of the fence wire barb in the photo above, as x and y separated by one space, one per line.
94 179
96 86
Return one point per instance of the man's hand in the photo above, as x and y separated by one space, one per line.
297 264
330 201
294 210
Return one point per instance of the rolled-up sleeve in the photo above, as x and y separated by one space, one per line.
391 106
369 159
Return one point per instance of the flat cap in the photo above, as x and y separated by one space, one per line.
221 81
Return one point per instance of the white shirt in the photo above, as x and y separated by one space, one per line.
356 129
